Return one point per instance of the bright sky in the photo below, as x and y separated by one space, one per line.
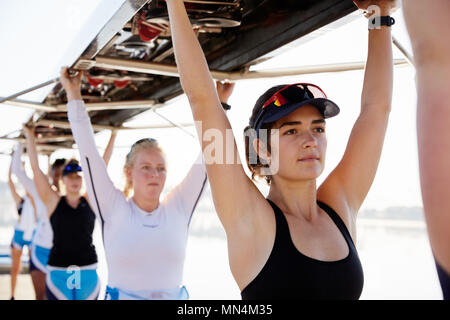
52 33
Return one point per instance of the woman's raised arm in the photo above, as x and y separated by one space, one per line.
235 196
17 198
19 172
354 175
101 190
45 191
110 147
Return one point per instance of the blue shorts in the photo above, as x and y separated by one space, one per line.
39 258
173 294
18 242
72 283
444 278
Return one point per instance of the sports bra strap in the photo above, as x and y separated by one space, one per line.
283 227
337 221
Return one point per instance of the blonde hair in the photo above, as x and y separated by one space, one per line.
144 144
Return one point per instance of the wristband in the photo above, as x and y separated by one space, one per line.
377 22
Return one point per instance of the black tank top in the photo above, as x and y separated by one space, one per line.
444 278
72 235
288 274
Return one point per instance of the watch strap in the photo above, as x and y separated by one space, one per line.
377 22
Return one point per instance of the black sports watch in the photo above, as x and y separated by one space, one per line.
225 106
377 22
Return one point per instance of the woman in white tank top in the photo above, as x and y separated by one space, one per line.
144 237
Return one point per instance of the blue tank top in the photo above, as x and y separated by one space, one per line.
288 274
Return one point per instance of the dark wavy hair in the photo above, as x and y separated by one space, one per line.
255 165
58 163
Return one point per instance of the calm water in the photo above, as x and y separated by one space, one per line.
396 258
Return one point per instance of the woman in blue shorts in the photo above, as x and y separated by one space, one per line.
43 239
72 262
23 230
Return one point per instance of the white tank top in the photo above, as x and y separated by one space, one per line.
144 250
27 221
44 233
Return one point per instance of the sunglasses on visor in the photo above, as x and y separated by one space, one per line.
71 168
289 95
296 92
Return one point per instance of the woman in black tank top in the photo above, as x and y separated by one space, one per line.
72 234
73 260
316 279
294 244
